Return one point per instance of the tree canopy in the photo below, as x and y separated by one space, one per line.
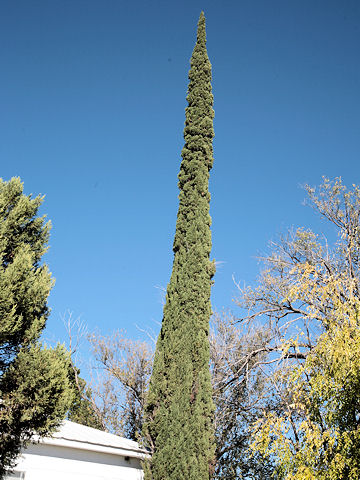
309 293
35 388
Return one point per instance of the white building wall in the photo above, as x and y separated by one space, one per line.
52 462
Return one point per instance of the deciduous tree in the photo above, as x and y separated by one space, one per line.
309 298
239 393
121 377
124 367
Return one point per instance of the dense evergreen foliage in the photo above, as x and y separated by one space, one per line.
35 388
180 407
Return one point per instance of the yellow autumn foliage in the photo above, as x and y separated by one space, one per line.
309 296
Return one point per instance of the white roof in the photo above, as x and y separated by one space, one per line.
78 436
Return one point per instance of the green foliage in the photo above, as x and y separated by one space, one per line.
24 284
120 391
35 395
180 408
35 390
82 407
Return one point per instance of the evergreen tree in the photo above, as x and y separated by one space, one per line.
179 423
82 409
35 388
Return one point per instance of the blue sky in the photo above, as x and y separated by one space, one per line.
92 98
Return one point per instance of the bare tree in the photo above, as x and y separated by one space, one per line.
121 371
239 393
125 367
84 409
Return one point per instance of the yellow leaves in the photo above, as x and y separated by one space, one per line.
329 297
267 430
290 345
311 437
309 298
304 473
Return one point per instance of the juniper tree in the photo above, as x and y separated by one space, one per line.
179 423
35 388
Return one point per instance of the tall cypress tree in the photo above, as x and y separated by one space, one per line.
180 408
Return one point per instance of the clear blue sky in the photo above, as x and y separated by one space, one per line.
92 98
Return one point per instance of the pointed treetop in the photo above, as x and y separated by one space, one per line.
201 31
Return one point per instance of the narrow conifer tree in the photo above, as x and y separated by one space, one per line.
180 408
